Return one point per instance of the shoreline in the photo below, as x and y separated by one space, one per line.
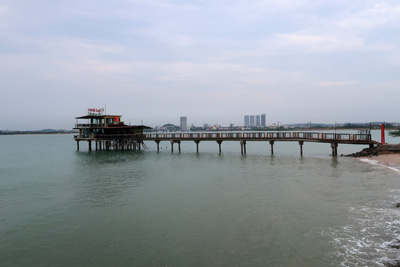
390 160
36 133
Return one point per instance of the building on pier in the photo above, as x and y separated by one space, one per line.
108 132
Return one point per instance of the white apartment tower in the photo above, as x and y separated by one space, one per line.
263 120
252 122
246 121
184 126
258 121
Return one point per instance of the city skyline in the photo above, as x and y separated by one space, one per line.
250 121
213 61
255 120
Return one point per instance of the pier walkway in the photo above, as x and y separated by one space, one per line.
333 138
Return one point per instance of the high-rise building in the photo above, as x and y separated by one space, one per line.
263 120
258 121
246 121
252 124
184 124
255 120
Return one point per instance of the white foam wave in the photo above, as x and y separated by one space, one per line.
372 238
377 163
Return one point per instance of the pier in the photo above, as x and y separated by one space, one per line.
108 132
270 137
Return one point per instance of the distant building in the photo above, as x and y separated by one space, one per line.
263 120
184 124
255 121
252 123
258 120
246 121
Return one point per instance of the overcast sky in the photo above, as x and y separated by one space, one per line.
213 61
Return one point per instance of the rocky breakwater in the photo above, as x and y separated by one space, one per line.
376 151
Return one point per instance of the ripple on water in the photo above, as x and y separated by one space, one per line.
372 238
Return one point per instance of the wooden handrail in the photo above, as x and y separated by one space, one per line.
259 135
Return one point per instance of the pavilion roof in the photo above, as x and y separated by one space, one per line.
97 116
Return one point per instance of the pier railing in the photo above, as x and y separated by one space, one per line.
119 136
88 125
129 141
306 136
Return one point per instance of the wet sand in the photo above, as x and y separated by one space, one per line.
388 159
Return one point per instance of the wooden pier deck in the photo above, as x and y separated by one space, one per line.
333 138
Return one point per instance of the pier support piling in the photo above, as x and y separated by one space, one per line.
197 145
77 145
334 149
371 145
172 145
272 146
219 144
90 145
301 147
243 146
158 144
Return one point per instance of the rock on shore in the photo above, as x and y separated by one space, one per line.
376 151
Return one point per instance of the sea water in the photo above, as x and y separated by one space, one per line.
60 207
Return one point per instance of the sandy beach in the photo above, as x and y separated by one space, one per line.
389 159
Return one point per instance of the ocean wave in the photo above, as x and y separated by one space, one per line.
377 163
372 238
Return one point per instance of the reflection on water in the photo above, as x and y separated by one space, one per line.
102 178
59 207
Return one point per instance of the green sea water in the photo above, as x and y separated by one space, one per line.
60 207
